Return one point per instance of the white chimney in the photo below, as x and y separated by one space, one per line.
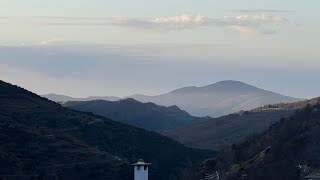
141 170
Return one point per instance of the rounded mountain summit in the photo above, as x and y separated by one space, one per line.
217 99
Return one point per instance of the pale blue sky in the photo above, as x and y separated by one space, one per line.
303 17
153 46
145 7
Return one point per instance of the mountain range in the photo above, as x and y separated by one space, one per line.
219 133
195 132
144 115
215 100
40 139
63 98
288 150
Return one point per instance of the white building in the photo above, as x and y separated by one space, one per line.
141 170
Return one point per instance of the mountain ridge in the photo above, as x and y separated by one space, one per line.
64 98
195 132
217 99
217 133
40 137
278 152
144 115
220 85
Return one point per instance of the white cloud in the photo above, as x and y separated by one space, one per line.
181 22
184 18
51 41
245 30
251 31
259 22
256 24
257 19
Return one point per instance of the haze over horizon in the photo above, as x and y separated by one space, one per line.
159 89
119 48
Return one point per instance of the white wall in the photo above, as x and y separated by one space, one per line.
140 173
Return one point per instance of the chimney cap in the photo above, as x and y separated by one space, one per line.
141 163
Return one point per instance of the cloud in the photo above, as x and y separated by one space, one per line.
51 41
256 19
183 21
274 11
256 24
253 22
251 31
245 30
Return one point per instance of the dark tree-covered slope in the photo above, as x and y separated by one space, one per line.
144 115
218 133
40 139
276 153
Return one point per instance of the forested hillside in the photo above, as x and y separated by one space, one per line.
276 153
42 139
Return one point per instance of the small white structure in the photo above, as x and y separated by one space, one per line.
141 170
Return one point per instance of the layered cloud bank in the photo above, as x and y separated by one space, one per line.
261 23
253 22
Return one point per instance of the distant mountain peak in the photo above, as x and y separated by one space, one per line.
221 85
129 100
220 98
230 84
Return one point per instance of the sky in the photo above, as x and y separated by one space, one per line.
101 47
